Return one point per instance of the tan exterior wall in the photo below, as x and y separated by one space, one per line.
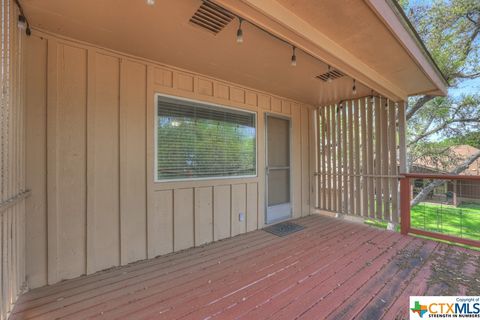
90 162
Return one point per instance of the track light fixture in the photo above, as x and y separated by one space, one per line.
240 31
294 58
22 22
331 74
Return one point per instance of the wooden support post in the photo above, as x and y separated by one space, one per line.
404 205
402 144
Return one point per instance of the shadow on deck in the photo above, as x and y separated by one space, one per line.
333 269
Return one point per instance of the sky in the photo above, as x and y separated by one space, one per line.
466 87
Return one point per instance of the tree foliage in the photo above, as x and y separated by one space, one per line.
450 30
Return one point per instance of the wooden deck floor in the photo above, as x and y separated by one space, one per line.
332 269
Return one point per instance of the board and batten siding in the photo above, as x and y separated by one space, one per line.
91 166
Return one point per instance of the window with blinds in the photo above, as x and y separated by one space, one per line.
196 140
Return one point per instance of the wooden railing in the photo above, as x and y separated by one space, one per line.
449 205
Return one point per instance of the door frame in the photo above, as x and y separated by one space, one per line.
290 138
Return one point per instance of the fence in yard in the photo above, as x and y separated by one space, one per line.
445 207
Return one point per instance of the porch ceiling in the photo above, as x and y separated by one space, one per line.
163 33
364 34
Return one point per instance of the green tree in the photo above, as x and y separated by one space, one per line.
450 30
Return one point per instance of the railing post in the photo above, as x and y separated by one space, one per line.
404 205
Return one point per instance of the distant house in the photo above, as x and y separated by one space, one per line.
454 192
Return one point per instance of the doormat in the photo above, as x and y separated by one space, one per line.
284 228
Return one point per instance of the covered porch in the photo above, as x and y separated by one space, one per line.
138 137
333 269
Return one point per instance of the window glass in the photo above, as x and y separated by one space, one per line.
196 140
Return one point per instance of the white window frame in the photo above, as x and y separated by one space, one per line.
155 139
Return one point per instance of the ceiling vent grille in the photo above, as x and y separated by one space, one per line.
211 17
332 74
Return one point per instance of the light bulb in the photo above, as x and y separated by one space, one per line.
239 35
150 2
294 58
240 31
22 22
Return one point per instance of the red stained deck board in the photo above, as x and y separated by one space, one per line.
174 259
136 285
166 263
371 301
253 274
260 297
333 267
397 310
207 305
170 291
321 291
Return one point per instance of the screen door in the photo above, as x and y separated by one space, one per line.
278 169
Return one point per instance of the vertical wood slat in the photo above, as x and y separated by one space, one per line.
339 158
318 155
363 146
318 159
328 156
358 187
12 260
323 157
385 160
370 158
393 160
351 179
4 169
312 164
378 160
326 159
333 151
345 158
326 180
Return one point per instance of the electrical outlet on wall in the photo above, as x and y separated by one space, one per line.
241 216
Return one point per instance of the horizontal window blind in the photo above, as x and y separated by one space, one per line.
197 140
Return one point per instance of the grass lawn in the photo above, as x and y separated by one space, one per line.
462 221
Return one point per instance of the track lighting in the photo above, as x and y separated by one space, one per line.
240 31
354 88
329 78
22 22
294 58
150 2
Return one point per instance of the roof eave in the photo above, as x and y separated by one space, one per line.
390 12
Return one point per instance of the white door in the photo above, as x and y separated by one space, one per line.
278 169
